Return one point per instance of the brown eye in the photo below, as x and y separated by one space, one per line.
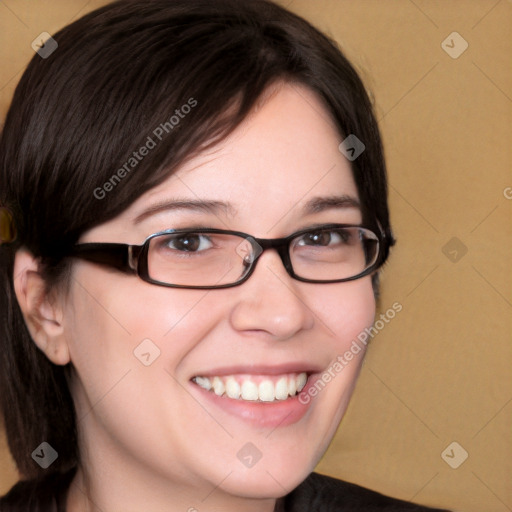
323 238
187 242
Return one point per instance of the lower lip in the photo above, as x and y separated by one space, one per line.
280 413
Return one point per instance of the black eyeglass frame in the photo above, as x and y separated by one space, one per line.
133 259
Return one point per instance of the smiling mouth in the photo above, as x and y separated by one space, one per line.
254 388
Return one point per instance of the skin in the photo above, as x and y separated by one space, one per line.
148 438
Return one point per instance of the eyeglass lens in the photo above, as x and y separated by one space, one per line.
212 259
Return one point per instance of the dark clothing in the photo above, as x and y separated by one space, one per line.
318 493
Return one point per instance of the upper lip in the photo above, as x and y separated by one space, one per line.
260 369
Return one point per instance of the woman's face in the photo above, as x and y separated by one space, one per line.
137 347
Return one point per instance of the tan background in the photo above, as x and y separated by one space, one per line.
440 371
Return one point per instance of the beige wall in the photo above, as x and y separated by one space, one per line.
439 371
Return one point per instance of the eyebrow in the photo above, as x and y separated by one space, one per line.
320 204
315 205
207 206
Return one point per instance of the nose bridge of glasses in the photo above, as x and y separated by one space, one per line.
259 245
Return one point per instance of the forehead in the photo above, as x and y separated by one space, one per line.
280 158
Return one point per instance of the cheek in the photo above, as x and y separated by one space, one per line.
127 340
347 309
344 309
115 325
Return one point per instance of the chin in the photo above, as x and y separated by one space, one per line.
262 484
270 477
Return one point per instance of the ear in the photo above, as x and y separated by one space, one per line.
42 315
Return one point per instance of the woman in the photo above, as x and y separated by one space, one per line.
194 196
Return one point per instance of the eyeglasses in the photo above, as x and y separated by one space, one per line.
217 258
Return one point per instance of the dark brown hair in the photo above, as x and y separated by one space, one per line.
76 118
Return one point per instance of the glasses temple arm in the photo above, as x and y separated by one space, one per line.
119 256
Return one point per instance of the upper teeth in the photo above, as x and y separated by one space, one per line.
251 387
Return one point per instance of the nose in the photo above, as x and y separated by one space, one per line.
270 301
